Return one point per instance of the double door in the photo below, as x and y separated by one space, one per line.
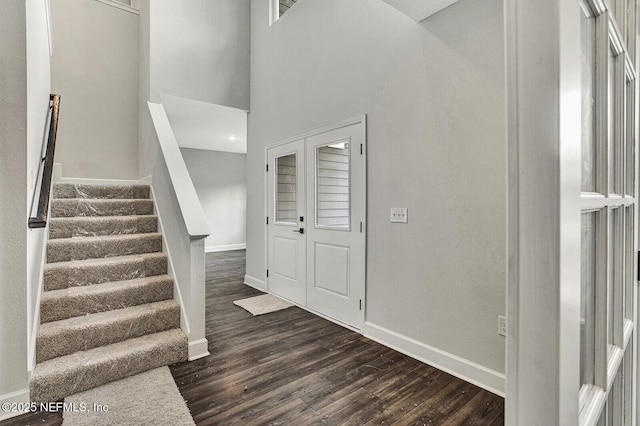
315 222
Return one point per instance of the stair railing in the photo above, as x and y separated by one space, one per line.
40 220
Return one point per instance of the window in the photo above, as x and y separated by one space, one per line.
277 8
332 185
286 185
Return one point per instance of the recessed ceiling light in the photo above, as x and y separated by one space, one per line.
232 138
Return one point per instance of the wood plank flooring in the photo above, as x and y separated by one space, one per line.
294 368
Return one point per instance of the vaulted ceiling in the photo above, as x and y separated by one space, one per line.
420 9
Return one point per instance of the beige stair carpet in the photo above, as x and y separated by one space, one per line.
107 310
260 305
150 398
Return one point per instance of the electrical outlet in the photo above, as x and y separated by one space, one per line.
399 215
502 326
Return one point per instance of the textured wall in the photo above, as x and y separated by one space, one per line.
434 98
95 70
13 202
199 49
220 179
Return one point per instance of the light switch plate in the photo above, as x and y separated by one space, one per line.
399 215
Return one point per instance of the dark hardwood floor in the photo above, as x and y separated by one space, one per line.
294 368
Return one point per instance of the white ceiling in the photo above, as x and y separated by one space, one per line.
201 125
420 9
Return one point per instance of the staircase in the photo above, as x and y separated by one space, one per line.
107 311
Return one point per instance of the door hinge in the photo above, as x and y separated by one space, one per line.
360 149
361 227
267 220
267 273
638 266
267 168
360 304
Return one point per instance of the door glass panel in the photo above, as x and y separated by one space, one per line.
587 298
610 117
333 185
616 274
588 40
630 139
629 263
286 187
611 288
616 129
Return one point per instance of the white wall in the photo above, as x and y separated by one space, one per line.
38 92
434 98
221 183
199 49
192 49
13 203
95 70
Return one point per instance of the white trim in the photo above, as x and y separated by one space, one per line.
198 349
274 11
255 283
214 249
319 130
20 397
188 201
120 6
177 296
466 370
88 181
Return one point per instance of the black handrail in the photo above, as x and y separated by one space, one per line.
40 221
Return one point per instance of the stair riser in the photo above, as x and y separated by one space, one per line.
100 191
64 342
73 227
70 208
50 385
72 305
82 248
56 277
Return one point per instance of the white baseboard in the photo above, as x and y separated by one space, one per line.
255 283
213 249
476 374
88 181
19 397
58 178
198 349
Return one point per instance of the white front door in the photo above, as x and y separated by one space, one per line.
335 240
286 274
315 221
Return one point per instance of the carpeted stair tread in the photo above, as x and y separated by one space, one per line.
97 271
69 190
77 301
67 249
83 226
59 338
59 377
100 207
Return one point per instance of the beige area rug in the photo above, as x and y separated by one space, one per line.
151 398
264 304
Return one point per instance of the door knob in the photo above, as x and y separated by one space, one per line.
301 230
